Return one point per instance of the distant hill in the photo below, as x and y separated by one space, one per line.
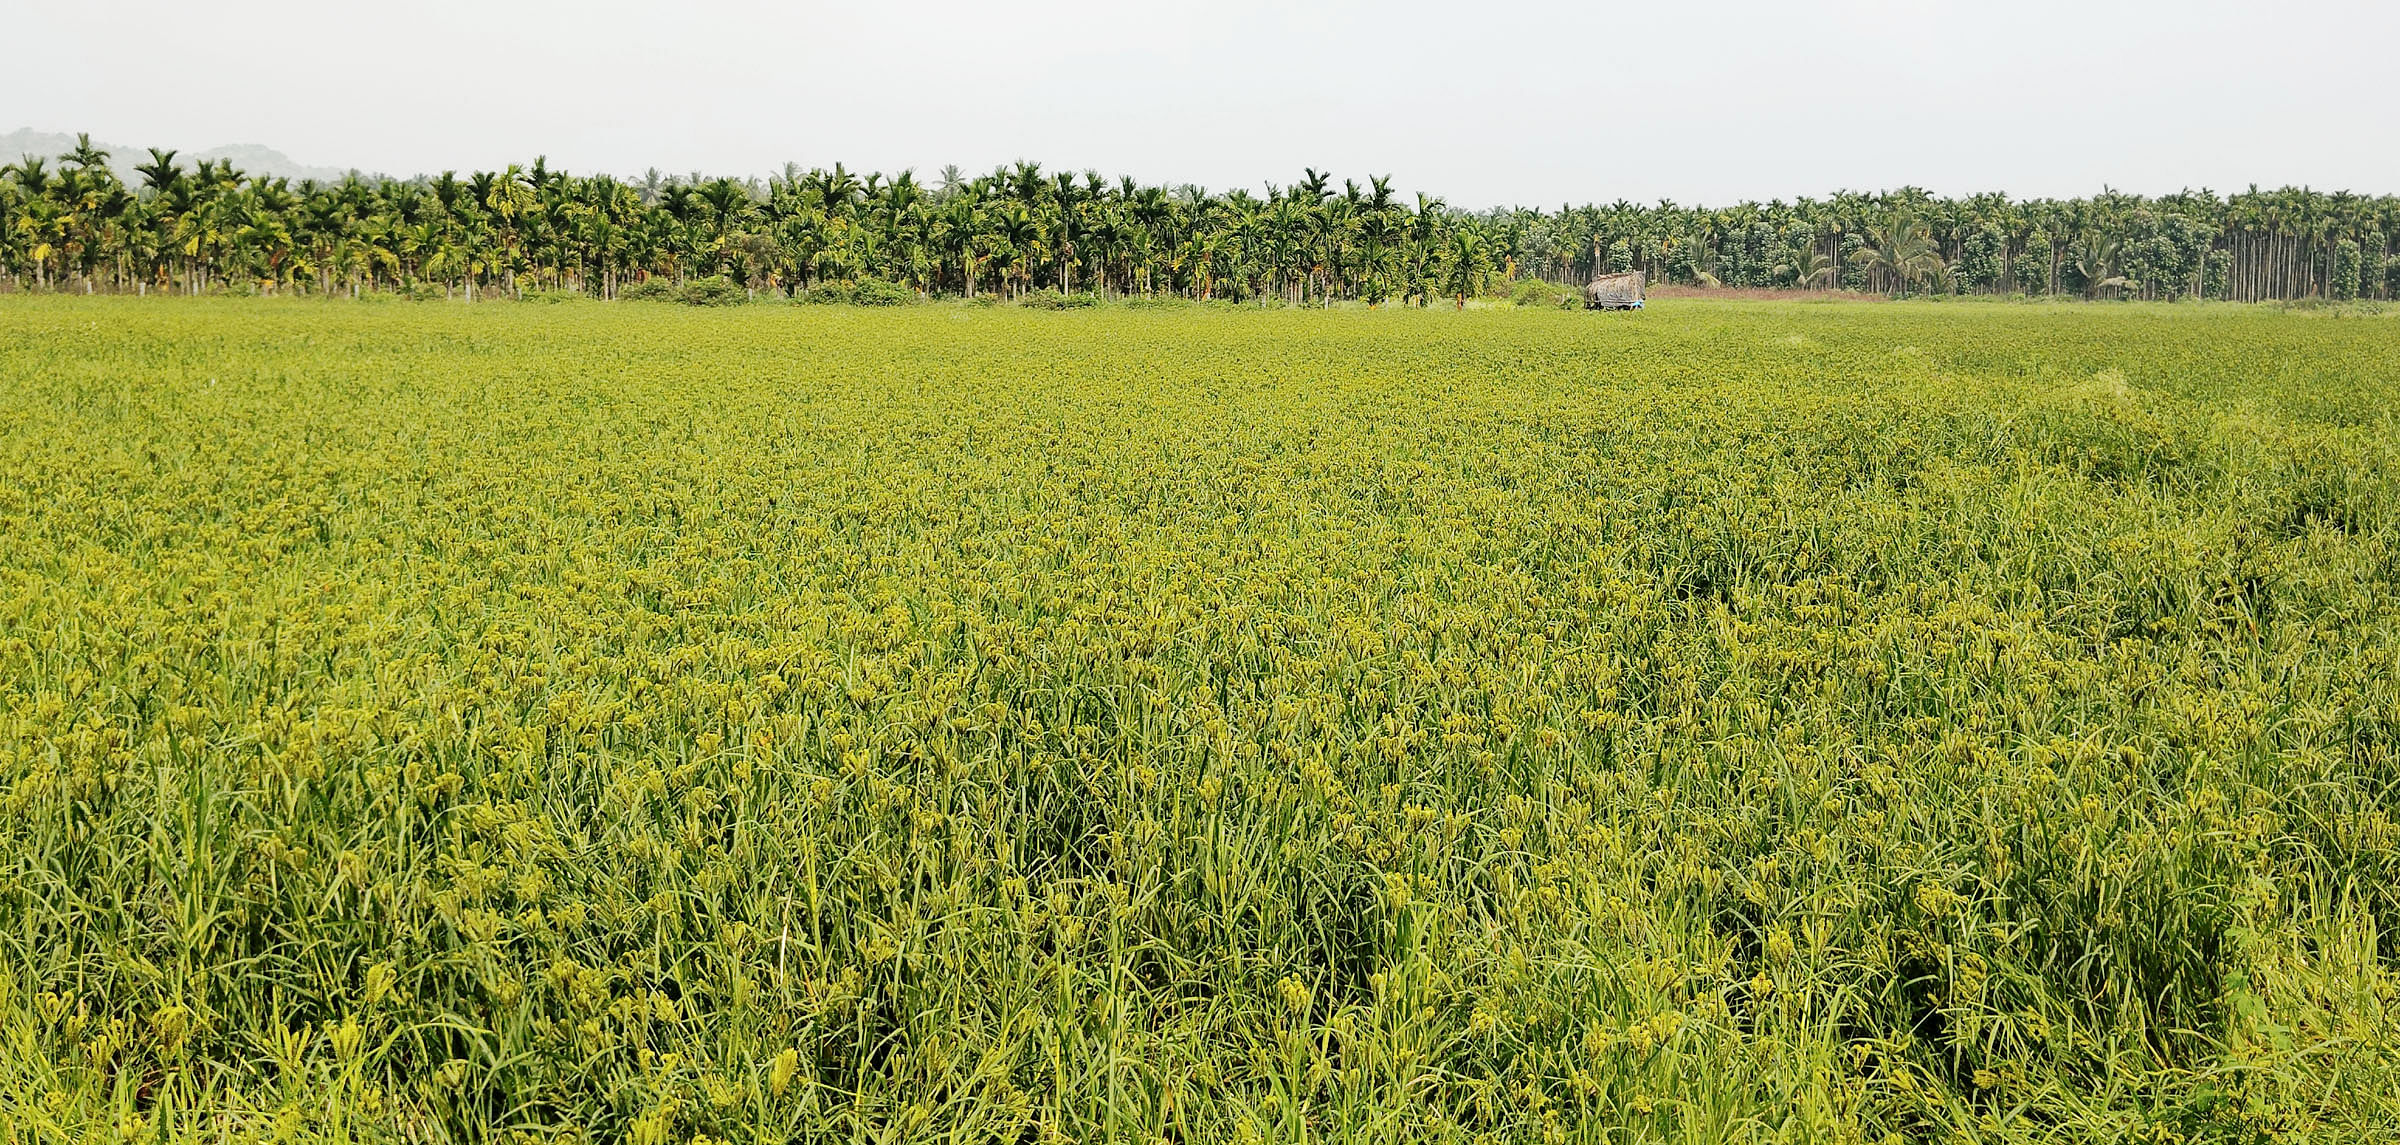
251 158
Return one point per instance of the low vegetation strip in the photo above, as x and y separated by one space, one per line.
1732 722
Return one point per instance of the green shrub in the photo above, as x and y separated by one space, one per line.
877 292
2346 264
646 290
1535 292
827 294
714 290
1052 300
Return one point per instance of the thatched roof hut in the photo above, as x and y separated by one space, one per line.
1615 291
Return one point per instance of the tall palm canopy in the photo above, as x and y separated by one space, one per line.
72 222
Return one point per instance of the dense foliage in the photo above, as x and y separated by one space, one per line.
75 224
1744 722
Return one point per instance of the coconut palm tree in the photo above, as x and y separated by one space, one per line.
1020 232
2096 263
1901 250
1468 267
1805 265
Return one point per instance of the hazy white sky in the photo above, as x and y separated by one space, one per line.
1532 103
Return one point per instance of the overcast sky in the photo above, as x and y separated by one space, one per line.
1531 103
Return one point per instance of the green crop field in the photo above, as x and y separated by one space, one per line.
1745 722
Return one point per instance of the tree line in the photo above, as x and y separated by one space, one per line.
73 223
